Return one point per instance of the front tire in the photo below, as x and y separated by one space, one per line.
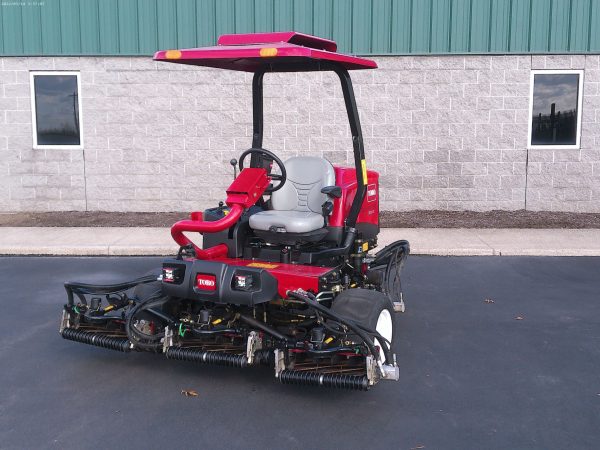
385 327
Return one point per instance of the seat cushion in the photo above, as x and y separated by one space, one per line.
287 221
306 176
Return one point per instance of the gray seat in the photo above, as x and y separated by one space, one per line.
297 206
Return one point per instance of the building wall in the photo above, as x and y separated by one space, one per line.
445 132
132 27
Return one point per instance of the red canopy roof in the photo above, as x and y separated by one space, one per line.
281 52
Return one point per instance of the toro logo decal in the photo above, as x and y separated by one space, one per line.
371 192
206 282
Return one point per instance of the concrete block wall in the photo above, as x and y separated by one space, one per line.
445 132
569 180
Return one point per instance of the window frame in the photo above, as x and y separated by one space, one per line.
577 144
77 74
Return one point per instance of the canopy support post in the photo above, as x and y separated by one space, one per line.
357 143
257 109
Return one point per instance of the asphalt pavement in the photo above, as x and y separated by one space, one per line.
518 371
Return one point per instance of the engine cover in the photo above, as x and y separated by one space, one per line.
217 282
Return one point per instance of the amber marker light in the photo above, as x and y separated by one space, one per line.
268 52
173 54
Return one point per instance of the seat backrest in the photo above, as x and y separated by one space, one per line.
306 176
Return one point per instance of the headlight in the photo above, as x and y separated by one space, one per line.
243 281
172 274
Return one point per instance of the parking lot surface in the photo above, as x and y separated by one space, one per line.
494 352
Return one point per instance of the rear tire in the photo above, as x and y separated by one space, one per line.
372 309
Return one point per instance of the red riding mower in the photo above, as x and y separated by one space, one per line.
284 275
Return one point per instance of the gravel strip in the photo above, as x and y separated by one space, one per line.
389 219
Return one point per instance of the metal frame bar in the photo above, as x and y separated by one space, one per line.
353 118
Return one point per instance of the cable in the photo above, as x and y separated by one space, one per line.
140 339
390 257
349 323
264 327
372 332
80 289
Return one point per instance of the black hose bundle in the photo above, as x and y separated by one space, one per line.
82 289
264 327
386 267
357 329
387 345
145 341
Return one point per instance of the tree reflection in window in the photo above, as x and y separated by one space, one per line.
554 118
57 109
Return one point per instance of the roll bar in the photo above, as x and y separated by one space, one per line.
353 118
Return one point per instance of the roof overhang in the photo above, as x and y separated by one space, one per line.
276 52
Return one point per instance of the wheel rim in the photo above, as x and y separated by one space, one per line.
385 327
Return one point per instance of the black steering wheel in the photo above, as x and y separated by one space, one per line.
264 159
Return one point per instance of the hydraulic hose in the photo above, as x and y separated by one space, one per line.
375 333
385 344
198 332
340 251
263 326
393 255
327 351
143 340
350 324
83 288
362 327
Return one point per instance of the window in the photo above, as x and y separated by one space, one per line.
56 109
555 108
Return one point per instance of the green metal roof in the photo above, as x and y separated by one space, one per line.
367 27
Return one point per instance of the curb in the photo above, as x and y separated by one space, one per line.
104 251
424 241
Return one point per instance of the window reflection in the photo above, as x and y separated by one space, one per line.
554 119
57 109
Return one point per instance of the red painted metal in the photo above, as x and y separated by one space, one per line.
199 226
291 37
252 57
243 192
345 177
289 276
248 187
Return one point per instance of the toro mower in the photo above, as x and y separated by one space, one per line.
286 275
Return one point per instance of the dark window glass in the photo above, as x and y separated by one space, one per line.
554 120
56 109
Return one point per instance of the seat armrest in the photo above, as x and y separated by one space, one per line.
332 191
